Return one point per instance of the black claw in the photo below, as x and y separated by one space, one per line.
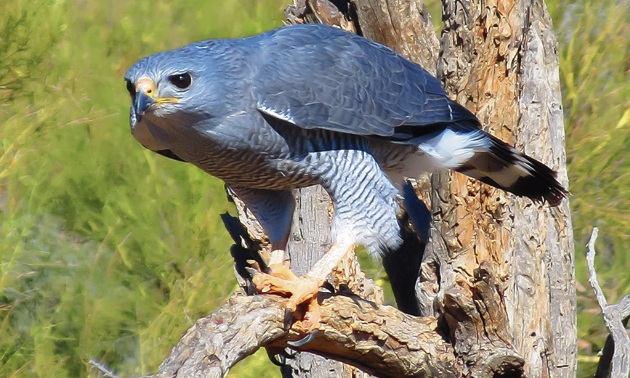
277 359
303 341
345 291
251 288
287 318
328 286
287 356
356 300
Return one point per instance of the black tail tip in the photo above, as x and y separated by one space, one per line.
538 187
531 178
555 196
542 184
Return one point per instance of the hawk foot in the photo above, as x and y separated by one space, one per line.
301 291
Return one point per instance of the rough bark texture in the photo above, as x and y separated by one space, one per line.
406 27
496 290
615 357
499 58
379 339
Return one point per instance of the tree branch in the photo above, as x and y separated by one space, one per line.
467 330
614 317
378 339
104 370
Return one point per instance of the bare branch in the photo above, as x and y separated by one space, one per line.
613 318
103 369
592 274
624 307
603 368
378 339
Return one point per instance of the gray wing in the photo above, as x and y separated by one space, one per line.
321 77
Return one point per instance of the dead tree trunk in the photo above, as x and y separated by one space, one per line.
497 283
309 241
410 33
499 58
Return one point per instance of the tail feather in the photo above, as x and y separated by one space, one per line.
504 167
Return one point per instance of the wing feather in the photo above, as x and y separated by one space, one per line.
315 76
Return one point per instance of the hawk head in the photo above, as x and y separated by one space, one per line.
175 89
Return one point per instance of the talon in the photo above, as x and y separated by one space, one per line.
251 288
303 341
287 356
302 292
344 289
347 292
328 286
274 360
287 318
277 356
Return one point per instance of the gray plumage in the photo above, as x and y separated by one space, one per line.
311 104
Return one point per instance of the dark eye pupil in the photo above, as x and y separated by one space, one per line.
131 88
181 81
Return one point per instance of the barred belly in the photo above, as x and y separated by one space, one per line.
251 170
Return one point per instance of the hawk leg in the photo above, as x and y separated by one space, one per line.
302 291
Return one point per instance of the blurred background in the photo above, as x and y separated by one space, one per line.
108 251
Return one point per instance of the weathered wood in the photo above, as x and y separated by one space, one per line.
618 365
379 339
542 252
410 33
309 240
608 351
499 273
499 59
403 25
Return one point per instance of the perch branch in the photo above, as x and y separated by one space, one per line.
378 339
613 317
103 369
603 368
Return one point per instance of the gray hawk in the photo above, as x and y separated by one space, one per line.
312 104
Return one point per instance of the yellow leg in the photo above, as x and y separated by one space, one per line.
301 290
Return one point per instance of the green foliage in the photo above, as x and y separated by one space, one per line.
108 251
26 35
595 75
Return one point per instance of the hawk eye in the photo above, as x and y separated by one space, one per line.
131 88
181 81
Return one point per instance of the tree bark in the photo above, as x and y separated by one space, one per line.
309 241
378 339
499 58
496 287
